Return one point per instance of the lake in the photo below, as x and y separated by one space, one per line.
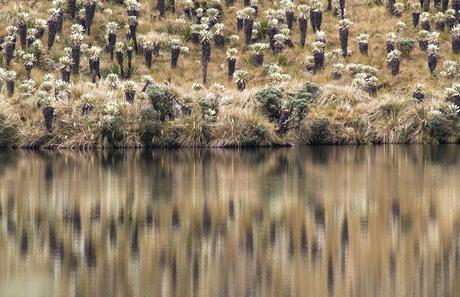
302 221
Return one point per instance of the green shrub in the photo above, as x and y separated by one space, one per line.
271 101
297 105
150 126
112 130
406 45
438 127
8 132
162 101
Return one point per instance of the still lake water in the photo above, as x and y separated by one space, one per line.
312 221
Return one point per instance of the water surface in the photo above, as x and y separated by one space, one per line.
313 221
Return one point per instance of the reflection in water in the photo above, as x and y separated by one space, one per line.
322 221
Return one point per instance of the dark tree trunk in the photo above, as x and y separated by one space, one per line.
303 31
48 114
30 40
426 5
239 24
440 25
188 12
219 40
432 62
394 66
456 45
133 31
247 3
390 46
229 3
415 18
39 33
161 7
258 59
172 6
51 32
130 96
231 65
390 7
22 31
290 19
28 71
436 4
343 32
204 72
312 20
342 8
195 37
134 13
248 26
419 96
205 58
363 48
241 86
9 53
445 5
129 55
318 19
148 57
112 41
90 10
426 25
9 88
423 43
59 21
175 53
76 59
318 59
65 74
72 5
450 23
271 37
94 66
156 49
119 56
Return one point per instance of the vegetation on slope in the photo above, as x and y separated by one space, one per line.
91 73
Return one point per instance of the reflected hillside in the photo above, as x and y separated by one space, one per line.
311 221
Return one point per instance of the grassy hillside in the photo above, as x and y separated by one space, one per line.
68 92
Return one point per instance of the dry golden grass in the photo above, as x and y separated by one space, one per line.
339 101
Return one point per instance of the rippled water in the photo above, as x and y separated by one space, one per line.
322 221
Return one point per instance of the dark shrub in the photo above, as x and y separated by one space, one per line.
150 126
162 101
113 130
271 101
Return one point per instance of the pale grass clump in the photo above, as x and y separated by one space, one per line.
335 94
241 127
